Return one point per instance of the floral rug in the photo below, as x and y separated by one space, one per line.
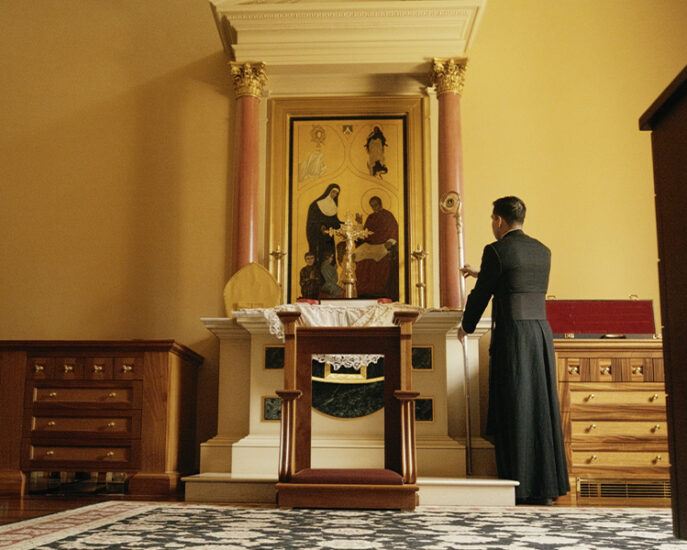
142 525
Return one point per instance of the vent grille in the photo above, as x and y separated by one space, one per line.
614 488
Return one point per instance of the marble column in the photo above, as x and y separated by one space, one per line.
448 76
249 80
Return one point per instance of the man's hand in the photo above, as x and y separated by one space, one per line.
468 271
461 333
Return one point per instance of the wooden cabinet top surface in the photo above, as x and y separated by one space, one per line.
98 347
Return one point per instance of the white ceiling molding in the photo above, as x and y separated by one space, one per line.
346 36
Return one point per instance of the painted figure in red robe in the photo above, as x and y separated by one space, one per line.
376 257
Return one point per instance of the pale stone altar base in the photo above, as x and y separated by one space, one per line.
240 463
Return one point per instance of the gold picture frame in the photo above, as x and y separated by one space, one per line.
314 142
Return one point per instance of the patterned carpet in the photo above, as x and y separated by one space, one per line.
141 525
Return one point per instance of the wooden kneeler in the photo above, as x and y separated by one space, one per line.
394 486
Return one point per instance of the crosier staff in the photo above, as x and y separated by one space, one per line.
452 204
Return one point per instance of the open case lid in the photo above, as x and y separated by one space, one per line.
601 318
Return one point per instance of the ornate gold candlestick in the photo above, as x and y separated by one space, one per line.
278 256
350 231
421 286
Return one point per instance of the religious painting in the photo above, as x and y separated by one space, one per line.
348 174
347 169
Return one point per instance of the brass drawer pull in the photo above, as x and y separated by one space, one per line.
68 368
574 369
49 453
97 368
591 427
109 454
654 397
656 427
590 397
51 423
112 394
657 459
605 370
637 370
110 424
52 394
127 368
38 368
593 458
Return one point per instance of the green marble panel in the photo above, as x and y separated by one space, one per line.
422 358
274 357
347 400
271 408
424 410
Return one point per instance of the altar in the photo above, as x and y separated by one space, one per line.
240 463
347 182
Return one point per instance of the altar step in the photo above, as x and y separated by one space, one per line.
434 491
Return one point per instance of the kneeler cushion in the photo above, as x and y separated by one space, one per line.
347 476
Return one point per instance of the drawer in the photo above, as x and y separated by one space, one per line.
128 368
86 394
98 455
40 368
647 459
628 398
610 429
98 368
79 424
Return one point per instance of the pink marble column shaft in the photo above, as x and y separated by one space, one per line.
450 179
247 171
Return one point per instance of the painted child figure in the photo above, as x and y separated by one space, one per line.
310 278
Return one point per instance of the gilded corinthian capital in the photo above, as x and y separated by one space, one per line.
448 75
249 78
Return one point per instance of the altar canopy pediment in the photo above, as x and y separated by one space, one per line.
341 36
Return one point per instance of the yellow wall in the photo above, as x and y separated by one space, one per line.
553 95
115 155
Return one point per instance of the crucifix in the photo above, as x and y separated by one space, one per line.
350 231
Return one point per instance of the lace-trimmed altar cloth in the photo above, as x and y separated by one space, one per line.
335 315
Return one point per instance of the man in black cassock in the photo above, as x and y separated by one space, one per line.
523 416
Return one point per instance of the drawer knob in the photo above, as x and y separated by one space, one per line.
127 368
109 454
52 394
49 453
112 394
657 459
637 370
605 370
656 427
51 423
590 397
97 368
38 368
653 397
110 424
593 458
591 427
68 368
574 369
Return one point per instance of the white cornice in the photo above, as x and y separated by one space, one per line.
346 37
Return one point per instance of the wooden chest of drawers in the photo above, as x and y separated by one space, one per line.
613 406
125 406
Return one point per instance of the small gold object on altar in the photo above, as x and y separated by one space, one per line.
277 255
420 256
350 231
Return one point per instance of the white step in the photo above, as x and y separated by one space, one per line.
434 491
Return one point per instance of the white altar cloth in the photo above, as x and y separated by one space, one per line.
342 314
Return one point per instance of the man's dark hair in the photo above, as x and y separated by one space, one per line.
511 209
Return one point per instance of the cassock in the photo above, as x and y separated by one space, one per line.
374 263
523 415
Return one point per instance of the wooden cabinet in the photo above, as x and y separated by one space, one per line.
613 406
114 406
